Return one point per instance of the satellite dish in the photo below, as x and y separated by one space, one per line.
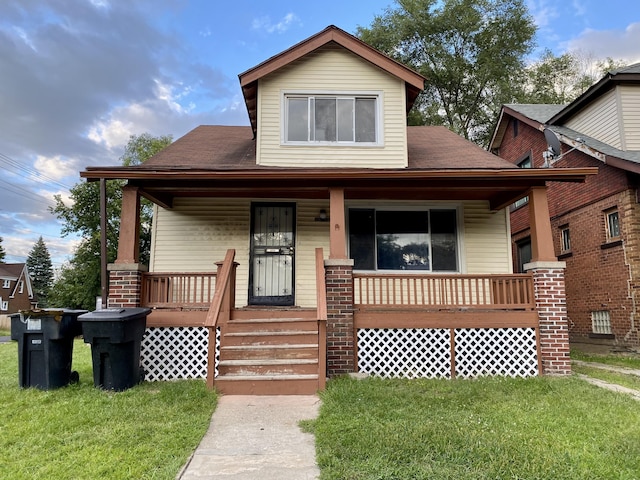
553 142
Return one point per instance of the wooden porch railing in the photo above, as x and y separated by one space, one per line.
178 290
500 292
321 299
220 308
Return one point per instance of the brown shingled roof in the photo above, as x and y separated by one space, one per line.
233 148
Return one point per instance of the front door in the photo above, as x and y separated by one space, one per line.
271 279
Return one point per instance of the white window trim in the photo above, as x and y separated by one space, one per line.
607 214
562 242
377 94
458 207
6 284
4 305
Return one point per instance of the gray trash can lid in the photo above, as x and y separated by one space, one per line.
115 314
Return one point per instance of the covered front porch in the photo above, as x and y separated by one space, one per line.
390 324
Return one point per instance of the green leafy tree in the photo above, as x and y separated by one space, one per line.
79 280
41 271
2 252
561 79
471 52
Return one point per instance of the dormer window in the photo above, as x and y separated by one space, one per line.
331 119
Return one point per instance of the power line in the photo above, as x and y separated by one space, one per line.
30 173
23 192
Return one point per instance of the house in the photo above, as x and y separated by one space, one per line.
15 288
351 242
596 224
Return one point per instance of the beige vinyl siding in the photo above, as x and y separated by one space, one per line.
600 120
332 70
630 102
486 239
197 232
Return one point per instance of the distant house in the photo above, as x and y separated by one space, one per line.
596 224
15 288
351 242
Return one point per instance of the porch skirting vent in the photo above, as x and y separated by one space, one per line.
171 353
427 352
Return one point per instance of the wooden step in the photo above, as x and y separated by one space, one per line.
268 367
271 325
267 384
271 337
253 352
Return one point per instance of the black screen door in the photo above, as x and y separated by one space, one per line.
272 254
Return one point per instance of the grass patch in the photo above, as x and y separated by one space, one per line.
5 333
82 432
623 359
629 381
476 429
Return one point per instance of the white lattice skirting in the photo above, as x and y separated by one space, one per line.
426 352
171 353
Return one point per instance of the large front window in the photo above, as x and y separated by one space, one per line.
403 239
331 119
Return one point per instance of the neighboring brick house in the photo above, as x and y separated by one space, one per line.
15 288
596 224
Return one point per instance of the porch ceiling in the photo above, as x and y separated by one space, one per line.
499 187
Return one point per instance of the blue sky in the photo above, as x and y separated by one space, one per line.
78 77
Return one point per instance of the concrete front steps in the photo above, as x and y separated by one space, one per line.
269 356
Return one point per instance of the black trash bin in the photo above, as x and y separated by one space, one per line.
115 335
45 346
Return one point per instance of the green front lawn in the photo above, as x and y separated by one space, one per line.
82 432
490 428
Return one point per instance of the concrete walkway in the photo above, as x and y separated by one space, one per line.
257 437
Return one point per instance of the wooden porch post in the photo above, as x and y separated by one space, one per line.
337 230
549 289
129 240
125 287
541 236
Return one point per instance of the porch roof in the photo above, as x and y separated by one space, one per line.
221 161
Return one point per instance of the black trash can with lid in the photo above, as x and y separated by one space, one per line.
115 335
45 346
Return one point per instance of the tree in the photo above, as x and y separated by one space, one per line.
79 281
471 52
562 79
2 252
41 271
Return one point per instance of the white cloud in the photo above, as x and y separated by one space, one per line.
543 12
56 167
264 23
617 44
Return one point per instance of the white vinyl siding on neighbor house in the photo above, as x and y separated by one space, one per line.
630 101
600 120
332 71
197 232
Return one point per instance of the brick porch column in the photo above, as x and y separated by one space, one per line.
551 303
125 284
341 353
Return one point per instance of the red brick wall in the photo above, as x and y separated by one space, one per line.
341 352
124 288
549 287
596 278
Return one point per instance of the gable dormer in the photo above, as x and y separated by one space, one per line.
330 101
